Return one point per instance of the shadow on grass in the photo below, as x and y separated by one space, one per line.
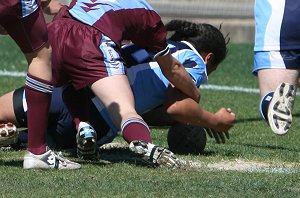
271 147
257 119
12 163
114 156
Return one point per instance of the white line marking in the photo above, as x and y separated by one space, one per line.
233 88
12 73
229 88
207 87
246 166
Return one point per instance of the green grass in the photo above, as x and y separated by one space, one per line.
119 174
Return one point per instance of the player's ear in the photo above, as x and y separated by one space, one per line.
209 57
210 65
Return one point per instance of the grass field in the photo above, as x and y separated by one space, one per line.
253 163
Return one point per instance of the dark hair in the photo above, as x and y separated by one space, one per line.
204 37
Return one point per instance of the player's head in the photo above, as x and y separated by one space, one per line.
205 38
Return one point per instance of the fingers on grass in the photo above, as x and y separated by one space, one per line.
227 134
209 132
216 136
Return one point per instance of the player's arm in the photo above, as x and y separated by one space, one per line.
177 75
185 110
151 36
158 117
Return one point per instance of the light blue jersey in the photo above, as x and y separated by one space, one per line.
277 25
91 11
147 81
277 35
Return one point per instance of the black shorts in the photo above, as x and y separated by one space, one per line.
61 129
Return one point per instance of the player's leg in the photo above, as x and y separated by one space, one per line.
29 31
278 74
278 89
86 136
116 95
38 92
7 109
8 122
270 79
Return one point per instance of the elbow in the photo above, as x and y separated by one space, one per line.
173 110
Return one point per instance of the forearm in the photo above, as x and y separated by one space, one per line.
178 76
187 111
158 117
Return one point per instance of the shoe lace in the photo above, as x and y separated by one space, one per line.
60 157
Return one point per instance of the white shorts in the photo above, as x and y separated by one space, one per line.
286 59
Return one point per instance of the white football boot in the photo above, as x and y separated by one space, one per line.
154 154
86 139
280 108
48 160
8 134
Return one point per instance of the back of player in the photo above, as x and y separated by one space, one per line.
146 79
126 15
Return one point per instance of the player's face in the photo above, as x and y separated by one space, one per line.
210 66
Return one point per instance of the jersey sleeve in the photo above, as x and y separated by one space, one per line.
151 34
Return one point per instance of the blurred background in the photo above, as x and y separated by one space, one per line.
236 16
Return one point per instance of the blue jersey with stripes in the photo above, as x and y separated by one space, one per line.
147 81
277 25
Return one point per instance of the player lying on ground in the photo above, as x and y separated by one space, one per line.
87 44
159 95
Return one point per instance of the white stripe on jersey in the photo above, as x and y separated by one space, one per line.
268 21
28 7
111 58
162 53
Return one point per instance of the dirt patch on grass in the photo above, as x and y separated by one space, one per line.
120 151
248 166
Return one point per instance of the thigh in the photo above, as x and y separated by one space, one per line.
25 23
116 95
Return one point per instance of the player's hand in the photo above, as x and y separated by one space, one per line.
220 137
225 120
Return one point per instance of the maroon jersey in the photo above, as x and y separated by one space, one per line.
133 20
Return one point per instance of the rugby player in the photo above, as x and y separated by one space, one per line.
199 47
25 23
276 60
